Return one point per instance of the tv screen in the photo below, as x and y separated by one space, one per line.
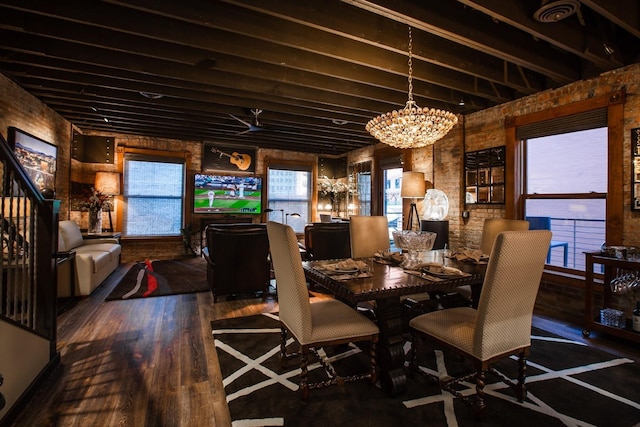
227 194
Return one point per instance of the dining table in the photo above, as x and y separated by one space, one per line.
385 284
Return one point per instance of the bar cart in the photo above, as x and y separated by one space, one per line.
606 322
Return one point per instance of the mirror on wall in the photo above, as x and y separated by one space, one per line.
359 184
484 176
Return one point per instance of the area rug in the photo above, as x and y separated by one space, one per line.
569 384
162 277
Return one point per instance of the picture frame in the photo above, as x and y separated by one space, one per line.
230 158
37 156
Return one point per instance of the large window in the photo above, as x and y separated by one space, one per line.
565 191
564 172
289 195
153 196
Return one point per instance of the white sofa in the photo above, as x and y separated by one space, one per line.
95 259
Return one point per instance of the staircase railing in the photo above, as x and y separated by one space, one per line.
28 226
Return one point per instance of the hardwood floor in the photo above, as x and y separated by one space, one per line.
152 361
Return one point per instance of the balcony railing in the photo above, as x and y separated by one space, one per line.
582 235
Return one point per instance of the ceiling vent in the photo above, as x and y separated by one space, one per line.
554 11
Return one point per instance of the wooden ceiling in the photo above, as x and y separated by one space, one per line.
317 69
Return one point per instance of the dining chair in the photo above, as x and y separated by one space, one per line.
500 326
329 240
492 226
369 234
327 322
490 229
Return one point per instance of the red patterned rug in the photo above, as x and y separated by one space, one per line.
162 277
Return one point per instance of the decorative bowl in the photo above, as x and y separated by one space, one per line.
413 242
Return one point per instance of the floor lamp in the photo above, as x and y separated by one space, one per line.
413 186
108 183
269 210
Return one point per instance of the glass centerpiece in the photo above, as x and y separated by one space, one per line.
414 242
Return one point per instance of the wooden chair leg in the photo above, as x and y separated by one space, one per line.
304 381
521 388
283 347
480 405
374 366
413 364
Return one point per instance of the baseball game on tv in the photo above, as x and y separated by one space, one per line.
227 194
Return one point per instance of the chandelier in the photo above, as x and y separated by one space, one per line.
411 127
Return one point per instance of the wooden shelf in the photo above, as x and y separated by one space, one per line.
610 265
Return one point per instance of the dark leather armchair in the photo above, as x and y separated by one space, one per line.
327 240
238 259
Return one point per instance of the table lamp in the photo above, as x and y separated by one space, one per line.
413 186
108 183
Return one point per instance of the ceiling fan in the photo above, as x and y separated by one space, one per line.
255 126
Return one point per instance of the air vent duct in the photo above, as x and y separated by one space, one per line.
554 11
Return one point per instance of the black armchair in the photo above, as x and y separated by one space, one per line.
238 259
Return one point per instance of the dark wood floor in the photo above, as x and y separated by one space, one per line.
152 362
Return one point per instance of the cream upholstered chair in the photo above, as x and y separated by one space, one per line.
369 234
493 226
490 229
501 326
313 325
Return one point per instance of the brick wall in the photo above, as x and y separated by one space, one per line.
20 109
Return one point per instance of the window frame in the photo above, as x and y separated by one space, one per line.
306 166
184 156
515 197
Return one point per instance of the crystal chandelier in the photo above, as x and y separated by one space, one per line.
411 127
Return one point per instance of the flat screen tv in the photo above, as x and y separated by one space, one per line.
227 194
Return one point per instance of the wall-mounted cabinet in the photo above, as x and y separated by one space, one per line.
484 176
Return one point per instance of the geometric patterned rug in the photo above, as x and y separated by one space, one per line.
568 384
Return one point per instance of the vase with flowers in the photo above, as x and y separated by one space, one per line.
334 188
94 203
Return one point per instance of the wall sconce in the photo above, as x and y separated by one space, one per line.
109 184
413 186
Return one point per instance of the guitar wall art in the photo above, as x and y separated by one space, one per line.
228 157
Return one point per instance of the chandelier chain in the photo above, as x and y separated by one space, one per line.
410 66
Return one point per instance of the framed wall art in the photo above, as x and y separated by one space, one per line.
216 156
37 157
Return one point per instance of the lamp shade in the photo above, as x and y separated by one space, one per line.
413 184
108 183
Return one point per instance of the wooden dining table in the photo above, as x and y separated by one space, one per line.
386 284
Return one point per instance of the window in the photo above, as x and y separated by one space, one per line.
153 195
289 195
566 192
604 115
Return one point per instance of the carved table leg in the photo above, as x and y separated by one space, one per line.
393 378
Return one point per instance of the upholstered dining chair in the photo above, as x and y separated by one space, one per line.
313 325
501 325
492 226
369 234
490 229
